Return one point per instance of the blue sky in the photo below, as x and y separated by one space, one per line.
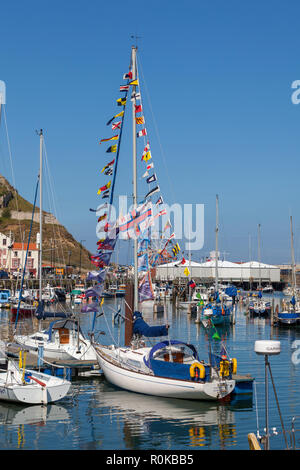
219 78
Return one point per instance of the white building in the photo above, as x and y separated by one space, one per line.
13 255
5 251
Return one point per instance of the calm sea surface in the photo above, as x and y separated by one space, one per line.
96 416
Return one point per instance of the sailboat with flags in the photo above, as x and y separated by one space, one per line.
170 368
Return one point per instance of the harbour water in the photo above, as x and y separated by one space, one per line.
97 416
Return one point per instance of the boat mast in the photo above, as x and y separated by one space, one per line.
133 70
259 270
41 213
293 257
217 232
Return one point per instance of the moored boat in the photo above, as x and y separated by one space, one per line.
259 307
25 309
63 339
5 297
169 369
31 387
290 312
216 310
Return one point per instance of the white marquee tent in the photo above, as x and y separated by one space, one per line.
227 271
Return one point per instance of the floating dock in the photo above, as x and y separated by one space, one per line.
243 384
69 368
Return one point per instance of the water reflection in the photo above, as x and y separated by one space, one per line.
100 416
27 424
179 422
37 414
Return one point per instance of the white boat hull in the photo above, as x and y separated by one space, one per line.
13 390
32 395
160 386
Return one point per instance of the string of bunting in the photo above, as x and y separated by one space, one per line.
106 245
151 178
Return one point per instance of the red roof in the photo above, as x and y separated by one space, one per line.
23 246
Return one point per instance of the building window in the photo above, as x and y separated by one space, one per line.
30 263
16 253
4 241
15 263
29 253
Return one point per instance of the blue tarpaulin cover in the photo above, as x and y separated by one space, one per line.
142 328
170 369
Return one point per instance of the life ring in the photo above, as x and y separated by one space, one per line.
234 365
224 368
194 370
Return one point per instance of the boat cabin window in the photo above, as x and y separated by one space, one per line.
134 363
37 338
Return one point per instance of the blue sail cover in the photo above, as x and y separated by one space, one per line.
231 291
142 328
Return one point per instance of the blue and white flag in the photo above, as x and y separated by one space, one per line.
151 179
145 288
93 307
98 276
154 190
94 291
136 222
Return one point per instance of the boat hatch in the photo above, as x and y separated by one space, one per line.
64 335
175 356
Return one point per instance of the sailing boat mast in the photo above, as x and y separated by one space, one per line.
293 257
41 212
217 249
259 270
133 70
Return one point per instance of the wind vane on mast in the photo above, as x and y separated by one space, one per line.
134 36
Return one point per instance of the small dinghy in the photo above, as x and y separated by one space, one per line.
29 387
